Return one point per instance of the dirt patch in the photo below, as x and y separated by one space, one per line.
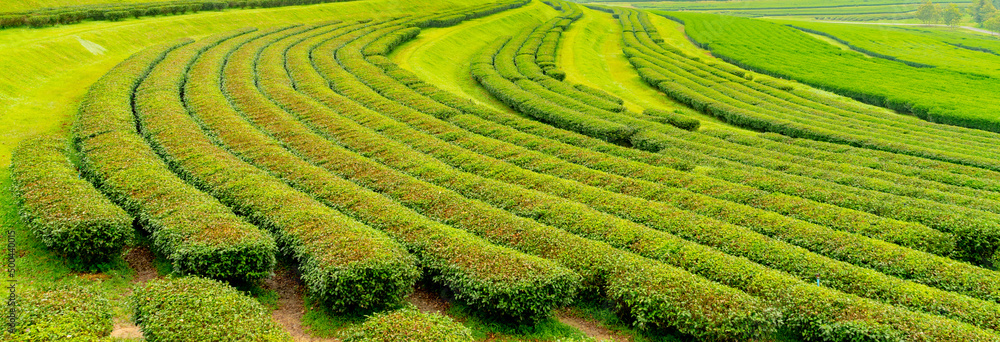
590 327
125 329
291 305
93 276
140 259
428 301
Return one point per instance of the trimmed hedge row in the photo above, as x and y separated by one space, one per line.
675 118
61 312
927 169
901 136
196 232
342 261
490 278
977 242
814 164
65 212
658 295
541 109
451 19
939 272
390 42
908 131
193 308
549 210
648 138
409 324
540 207
910 235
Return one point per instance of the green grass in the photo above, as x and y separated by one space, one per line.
441 56
47 71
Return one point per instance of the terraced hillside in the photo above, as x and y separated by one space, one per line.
833 10
589 158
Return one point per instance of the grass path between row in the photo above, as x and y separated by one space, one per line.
443 56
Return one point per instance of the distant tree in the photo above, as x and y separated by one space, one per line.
983 10
993 24
928 13
951 16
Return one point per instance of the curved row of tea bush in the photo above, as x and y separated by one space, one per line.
869 253
193 308
654 293
940 272
489 278
65 212
943 240
196 232
341 260
891 84
542 208
978 241
816 164
653 213
729 103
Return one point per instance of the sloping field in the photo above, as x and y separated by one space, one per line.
908 88
514 157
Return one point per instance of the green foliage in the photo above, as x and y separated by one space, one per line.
193 308
492 279
65 212
341 260
896 86
590 259
929 13
193 230
59 313
951 16
674 118
409 324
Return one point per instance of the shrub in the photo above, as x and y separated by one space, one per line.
488 277
40 20
61 312
409 324
194 230
674 118
116 15
193 308
342 261
65 212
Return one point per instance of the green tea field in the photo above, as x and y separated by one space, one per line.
496 170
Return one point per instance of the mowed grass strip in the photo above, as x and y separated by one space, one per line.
343 262
193 230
